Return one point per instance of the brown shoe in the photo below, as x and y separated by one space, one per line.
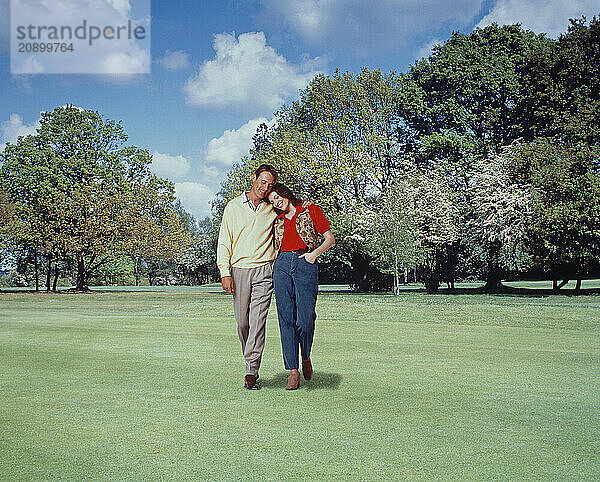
293 381
250 383
307 369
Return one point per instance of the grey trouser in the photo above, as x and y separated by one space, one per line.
252 290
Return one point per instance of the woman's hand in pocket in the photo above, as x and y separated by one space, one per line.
310 257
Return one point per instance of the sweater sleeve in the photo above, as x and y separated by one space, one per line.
225 244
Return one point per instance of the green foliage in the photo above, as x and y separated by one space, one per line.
474 86
576 75
79 192
7 218
565 225
115 272
338 146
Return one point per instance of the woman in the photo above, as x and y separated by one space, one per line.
295 276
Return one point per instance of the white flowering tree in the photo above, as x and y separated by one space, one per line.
416 224
502 212
436 218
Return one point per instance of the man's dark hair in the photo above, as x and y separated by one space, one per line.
286 192
268 168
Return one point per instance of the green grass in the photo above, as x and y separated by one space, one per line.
132 384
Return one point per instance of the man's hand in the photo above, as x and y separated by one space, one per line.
310 257
227 283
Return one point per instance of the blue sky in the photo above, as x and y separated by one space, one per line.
219 68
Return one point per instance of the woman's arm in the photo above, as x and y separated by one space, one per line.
327 243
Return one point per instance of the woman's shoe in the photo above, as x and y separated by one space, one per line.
293 381
307 369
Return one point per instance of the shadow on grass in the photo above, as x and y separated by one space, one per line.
318 381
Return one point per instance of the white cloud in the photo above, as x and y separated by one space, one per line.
541 16
12 128
367 28
195 197
170 167
210 174
175 60
233 144
125 63
246 74
426 50
114 49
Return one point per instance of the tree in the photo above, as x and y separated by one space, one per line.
339 145
502 213
576 88
153 224
7 218
197 258
565 224
395 234
79 191
436 217
471 98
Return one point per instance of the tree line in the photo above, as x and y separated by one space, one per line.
77 203
479 162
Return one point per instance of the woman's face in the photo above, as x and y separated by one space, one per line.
279 202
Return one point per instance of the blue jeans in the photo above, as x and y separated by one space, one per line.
296 283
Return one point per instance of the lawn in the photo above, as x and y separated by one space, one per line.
147 384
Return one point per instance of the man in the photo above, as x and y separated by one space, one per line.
245 255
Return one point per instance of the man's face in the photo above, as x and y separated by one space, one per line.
261 185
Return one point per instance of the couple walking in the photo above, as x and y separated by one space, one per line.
269 239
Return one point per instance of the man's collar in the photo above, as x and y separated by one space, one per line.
250 203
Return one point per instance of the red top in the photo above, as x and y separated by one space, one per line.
291 239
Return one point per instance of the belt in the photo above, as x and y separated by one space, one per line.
302 251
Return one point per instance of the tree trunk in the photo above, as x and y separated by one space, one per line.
493 281
136 271
578 285
431 271
365 277
494 274
56 273
359 273
431 281
557 286
396 275
49 272
450 262
81 274
36 265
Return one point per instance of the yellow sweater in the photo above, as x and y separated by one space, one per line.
245 236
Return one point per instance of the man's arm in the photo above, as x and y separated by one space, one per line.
224 251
